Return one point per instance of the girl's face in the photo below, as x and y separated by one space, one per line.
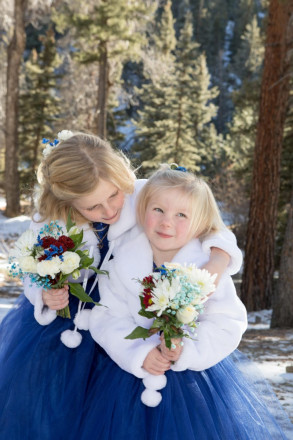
104 204
167 222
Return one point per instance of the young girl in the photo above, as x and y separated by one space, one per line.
204 399
42 382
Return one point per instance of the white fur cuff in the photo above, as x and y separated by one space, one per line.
150 396
42 313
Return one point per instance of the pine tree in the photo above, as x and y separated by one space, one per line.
257 282
14 51
159 76
176 129
240 140
40 106
109 34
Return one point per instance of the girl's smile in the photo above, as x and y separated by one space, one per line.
167 223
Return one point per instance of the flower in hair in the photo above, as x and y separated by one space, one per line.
64 135
50 146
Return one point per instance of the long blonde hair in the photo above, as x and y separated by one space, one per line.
74 169
206 218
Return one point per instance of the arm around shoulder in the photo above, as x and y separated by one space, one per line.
225 240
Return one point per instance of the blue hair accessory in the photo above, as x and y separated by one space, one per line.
51 145
183 169
175 167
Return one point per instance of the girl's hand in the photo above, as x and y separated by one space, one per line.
155 363
171 354
56 299
218 263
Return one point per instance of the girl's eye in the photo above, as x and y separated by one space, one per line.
158 210
93 208
180 214
114 195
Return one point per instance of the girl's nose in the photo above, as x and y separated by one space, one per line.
108 211
166 221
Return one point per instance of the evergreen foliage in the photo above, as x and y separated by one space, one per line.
40 106
173 125
107 37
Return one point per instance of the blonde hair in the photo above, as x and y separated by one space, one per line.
206 218
74 169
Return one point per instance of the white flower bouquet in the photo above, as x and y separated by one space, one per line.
50 257
173 297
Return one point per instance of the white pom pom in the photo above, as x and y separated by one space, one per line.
151 397
155 382
70 338
82 319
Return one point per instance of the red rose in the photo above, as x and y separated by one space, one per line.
65 242
43 257
48 241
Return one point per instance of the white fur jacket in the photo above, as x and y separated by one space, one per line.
224 239
221 325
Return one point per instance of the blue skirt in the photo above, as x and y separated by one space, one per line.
219 403
42 382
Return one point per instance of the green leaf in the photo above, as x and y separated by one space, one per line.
77 290
77 239
146 314
69 223
167 339
101 272
86 261
139 332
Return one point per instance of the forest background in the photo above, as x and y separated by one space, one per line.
203 83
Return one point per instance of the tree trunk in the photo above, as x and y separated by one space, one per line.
101 117
283 304
256 289
14 54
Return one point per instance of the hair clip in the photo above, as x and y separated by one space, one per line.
183 169
50 146
175 167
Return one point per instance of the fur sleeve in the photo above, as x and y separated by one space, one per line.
221 326
226 241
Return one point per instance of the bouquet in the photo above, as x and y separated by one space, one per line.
50 257
173 297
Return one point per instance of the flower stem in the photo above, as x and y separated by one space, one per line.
64 313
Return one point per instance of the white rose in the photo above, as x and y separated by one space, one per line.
28 264
64 135
186 315
70 262
49 267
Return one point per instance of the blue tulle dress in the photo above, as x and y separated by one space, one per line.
43 382
228 401
220 403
